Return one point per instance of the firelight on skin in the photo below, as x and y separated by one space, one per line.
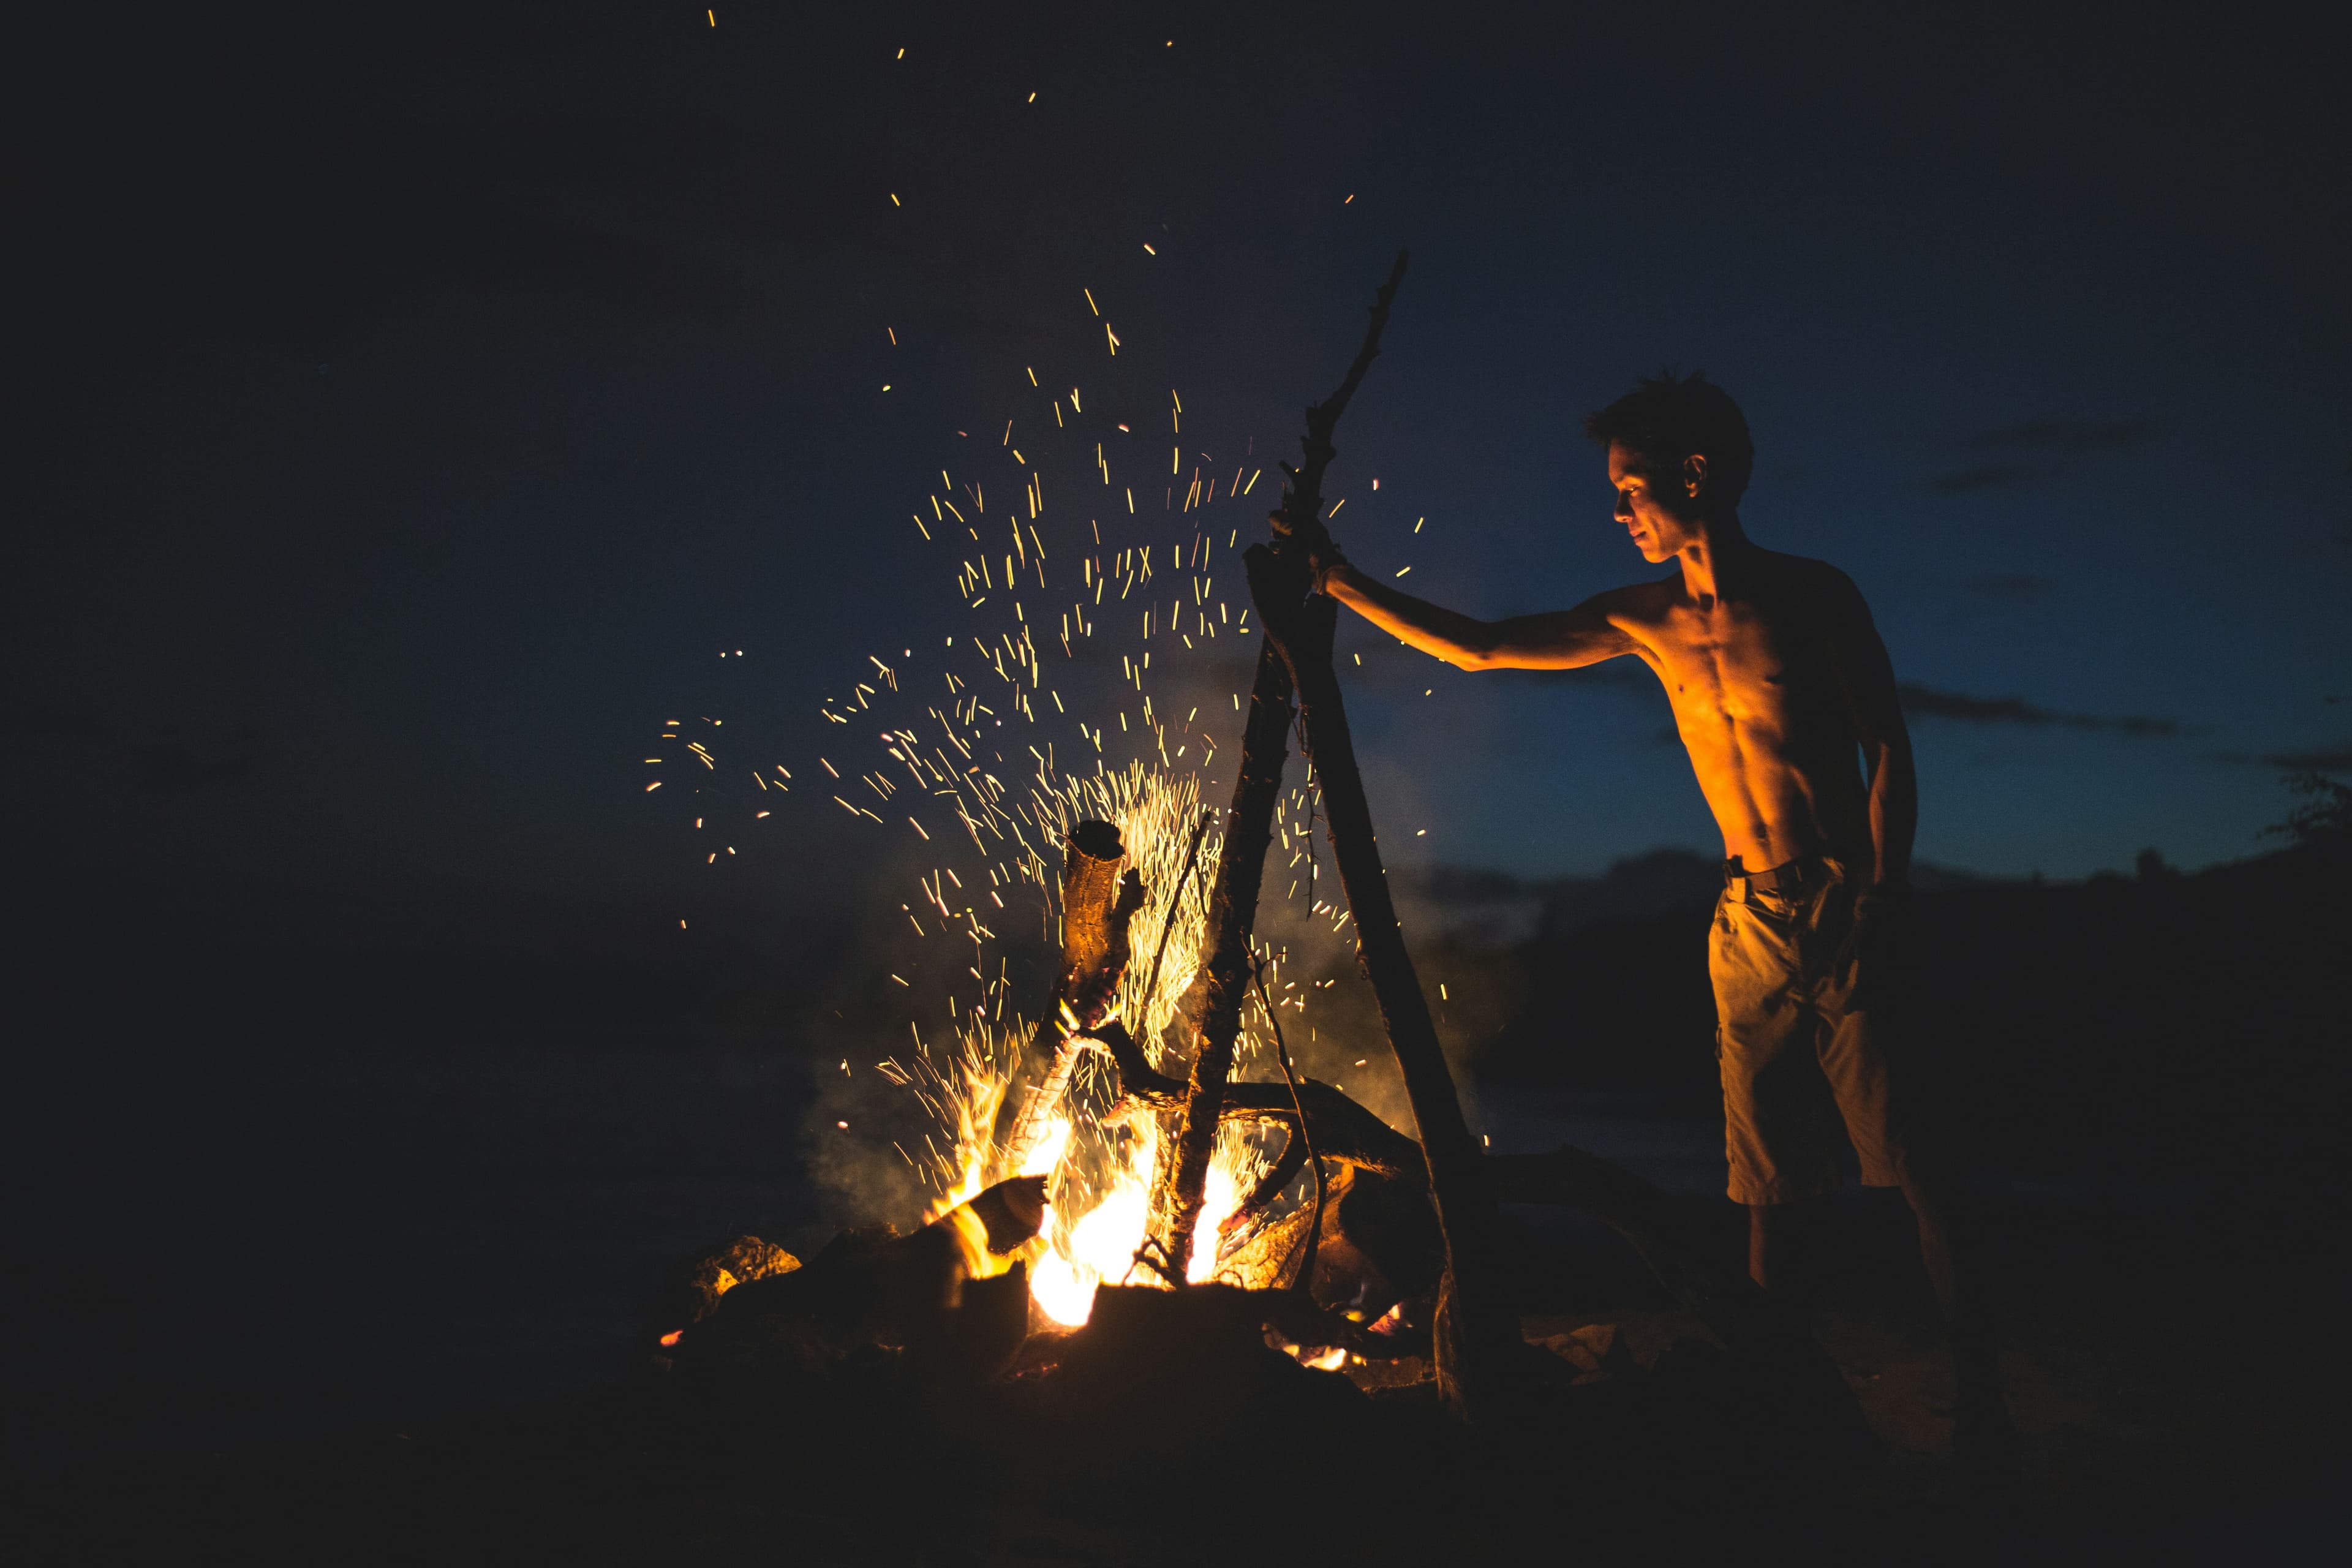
1770 661
1777 679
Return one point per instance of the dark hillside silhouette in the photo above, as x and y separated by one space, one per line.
2162 1029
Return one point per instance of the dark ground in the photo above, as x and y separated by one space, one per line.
247 1303
2176 1405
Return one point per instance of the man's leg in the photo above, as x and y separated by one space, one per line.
1855 1006
1772 1089
1984 1439
1784 1248
1760 1246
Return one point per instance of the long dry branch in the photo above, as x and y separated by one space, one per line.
1477 1335
1344 1132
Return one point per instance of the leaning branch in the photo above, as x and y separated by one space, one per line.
1249 831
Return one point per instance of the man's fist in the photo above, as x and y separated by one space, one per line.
1306 534
1872 951
1320 564
1311 540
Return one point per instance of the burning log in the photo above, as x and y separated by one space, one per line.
1009 1213
1097 904
939 1292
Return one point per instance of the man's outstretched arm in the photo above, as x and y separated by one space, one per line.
1562 639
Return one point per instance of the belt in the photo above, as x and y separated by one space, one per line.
1805 872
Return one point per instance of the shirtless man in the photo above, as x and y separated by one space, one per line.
1777 680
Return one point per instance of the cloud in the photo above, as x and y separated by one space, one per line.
2334 760
2054 440
2326 760
2067 436
1927 702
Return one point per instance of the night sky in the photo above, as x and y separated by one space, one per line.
413 405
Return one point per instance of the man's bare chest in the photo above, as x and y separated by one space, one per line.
1739 663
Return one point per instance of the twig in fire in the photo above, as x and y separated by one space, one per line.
1175 899
1305 1277
1160 1264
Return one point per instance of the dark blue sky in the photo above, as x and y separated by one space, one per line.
418 404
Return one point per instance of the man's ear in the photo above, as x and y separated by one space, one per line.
1694 475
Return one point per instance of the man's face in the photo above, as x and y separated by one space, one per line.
1651 508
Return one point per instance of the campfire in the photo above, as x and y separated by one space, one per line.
1071 1121
1135 1185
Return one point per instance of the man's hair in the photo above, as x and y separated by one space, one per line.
1664 419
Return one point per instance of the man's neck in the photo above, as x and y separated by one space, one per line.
1719 551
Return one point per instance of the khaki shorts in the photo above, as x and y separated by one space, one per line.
1801 1035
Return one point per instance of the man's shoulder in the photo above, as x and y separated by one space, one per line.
1803 569
1814 579
1641 601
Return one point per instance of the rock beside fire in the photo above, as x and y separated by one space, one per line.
1594 1351
942 1295
695 1287
1172 1378
691 1293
